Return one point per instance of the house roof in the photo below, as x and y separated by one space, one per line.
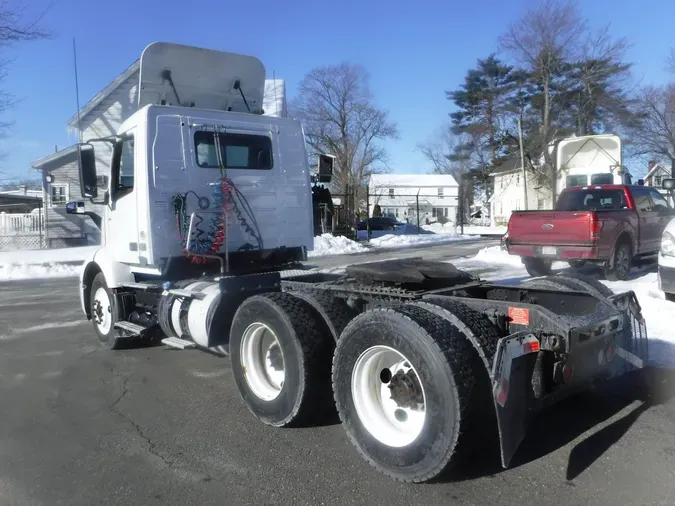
412 180
510 165
58 158
655 168
105 92
20 196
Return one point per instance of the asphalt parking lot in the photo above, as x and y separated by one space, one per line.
83 425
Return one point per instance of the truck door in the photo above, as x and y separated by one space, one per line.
649 235
122 230
665 212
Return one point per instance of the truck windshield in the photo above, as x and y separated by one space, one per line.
592 200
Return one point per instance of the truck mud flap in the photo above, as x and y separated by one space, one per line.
632 344
512 390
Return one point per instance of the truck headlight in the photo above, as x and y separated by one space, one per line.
668 244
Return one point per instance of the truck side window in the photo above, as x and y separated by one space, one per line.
660 203
123 166
237 151
642 202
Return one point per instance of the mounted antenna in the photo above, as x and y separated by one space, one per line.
77 94
237 86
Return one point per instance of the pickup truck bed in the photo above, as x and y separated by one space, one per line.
609 225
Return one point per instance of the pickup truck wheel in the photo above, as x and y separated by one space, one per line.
622 262
537 267
405 389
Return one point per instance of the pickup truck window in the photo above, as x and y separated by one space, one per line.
643 204
660 203
592 200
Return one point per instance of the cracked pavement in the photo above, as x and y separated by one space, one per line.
80 425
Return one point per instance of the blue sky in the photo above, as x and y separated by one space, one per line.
414 51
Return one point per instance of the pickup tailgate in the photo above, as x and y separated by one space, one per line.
560 228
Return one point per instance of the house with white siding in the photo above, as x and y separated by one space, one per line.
99 118
401 195
508 192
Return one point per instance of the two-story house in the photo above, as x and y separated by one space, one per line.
403 196
656 173
508 193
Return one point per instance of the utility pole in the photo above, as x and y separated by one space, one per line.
522 161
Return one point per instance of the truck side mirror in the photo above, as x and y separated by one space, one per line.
325 171
87 169
75 207
668 184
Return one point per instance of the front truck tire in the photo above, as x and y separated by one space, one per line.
281 352
104 313
424 362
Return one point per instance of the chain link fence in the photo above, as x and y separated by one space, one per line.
21 228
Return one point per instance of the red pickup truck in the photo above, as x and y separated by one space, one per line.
610 225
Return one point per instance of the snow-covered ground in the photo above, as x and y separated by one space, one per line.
450 228
36 264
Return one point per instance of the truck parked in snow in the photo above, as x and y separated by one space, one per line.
208 204
609 225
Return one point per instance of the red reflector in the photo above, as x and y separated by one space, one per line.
519 316
531 347
503 392
567 373
609 354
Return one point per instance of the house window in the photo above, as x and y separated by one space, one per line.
501 182
391 192
657 180
437 212
440 193
58 194
517 178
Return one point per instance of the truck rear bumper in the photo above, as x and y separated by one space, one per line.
554 252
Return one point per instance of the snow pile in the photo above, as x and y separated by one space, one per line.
495 264
398 240
327 244
45 263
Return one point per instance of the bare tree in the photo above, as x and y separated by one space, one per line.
656 134
14 29
543 41
339 116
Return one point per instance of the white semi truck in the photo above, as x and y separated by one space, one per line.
207 203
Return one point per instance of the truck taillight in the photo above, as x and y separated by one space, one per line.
595 227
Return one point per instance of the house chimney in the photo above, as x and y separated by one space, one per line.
651 164
22 189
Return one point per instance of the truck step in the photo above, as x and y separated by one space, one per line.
177 342
133 328
178 292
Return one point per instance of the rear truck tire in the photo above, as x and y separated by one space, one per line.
621 264
572 281
424 362
104 313
281 352
537 267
